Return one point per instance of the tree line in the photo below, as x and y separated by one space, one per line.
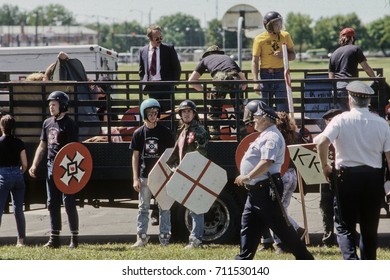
185 30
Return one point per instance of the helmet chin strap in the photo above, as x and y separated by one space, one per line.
58 116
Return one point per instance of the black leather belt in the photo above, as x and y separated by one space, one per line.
258 185
271 70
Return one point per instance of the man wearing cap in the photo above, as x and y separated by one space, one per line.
221 68
360 138
344 62
260 176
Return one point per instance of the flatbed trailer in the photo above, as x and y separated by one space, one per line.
111 181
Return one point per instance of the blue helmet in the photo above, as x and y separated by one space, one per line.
148 103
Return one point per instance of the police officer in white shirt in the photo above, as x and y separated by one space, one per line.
260 175
360 138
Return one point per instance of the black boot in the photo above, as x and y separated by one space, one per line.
54 242
74 241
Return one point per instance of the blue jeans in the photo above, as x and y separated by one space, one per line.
12 181
145 196
54 200
197 226
274 89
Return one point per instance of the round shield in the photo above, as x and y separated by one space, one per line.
72 168
244 145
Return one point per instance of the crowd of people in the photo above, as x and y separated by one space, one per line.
353 196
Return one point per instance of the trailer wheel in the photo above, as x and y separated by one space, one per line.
222 221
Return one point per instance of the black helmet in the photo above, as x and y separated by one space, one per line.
257 108
62 98
269 19
187 104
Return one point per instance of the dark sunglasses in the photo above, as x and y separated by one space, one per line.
158 38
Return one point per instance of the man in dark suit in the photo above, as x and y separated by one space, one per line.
159 62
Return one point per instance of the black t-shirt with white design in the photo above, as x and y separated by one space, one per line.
58 133
151 144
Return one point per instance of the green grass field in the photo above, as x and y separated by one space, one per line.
117 251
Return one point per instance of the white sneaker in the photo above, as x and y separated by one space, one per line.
194 243
20 242
142 240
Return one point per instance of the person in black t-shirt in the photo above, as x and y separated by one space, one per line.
13 163
148 144
221 68
57 131
344 63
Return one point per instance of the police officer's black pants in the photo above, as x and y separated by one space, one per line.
359 200
260 211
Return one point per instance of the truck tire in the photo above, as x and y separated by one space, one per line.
222 221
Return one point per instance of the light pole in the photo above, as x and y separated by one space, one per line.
150 16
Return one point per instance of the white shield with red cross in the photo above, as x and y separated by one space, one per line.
197 182
158 178
307 162
72 168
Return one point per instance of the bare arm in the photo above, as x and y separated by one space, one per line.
134 163
195 77
331 75
39 153
23 160
387 155
259 169
291 54
367 69
322 148
242 77
255 72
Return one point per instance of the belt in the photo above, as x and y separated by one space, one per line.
271 70
357 169
258 185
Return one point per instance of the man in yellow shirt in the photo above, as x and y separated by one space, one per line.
267 59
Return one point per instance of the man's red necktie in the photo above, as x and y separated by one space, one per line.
153 63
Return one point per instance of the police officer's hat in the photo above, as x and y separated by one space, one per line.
360 89
211 50
331 113
264 109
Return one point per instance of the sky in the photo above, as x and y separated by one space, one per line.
149 11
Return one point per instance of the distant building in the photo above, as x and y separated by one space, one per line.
24 36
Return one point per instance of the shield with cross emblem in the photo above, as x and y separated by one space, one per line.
72 168
158 178
197 182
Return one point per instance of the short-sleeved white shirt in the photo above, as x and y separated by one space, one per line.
359 137
269 145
